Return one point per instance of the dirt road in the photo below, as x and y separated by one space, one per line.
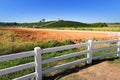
101 71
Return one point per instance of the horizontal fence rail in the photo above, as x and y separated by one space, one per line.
37 53
107 41
105 48
63 48
17 68
16 56
64 57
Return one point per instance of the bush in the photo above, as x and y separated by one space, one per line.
99 25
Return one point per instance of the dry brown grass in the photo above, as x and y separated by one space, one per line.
61 35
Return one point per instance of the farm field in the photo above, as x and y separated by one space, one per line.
25 39
31 34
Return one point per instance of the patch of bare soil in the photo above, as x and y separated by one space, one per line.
28 34
101 71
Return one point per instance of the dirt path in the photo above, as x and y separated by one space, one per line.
28 34
101 71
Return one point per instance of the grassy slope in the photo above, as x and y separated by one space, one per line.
66 25
59 24
72 25
54 24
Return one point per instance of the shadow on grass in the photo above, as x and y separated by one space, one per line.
77 69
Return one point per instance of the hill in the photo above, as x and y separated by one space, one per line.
62 23
53 24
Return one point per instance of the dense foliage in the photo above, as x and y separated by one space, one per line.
62 23
8 24
54 24
99 25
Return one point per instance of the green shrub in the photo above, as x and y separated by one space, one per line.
99 25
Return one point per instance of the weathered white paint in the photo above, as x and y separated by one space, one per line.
105 48
107 41
89 54
16 56
63 48
64 57
17 68
118 54
38 61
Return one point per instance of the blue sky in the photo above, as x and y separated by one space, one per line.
76 10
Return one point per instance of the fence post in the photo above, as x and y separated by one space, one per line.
38 67
89 54
118 54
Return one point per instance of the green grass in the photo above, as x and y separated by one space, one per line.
116 61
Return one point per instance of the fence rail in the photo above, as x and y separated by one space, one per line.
37 53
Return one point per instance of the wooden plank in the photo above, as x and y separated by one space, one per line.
16 56
64 57
64 65
63 48
17 68
105 48
26 77
104 55
107 41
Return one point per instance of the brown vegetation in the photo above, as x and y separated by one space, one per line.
61 35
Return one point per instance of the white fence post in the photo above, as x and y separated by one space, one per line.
118 54
89 54
38 67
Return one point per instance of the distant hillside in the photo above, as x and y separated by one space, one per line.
67 24
8 24
54 24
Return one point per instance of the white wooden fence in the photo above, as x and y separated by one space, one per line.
38 61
